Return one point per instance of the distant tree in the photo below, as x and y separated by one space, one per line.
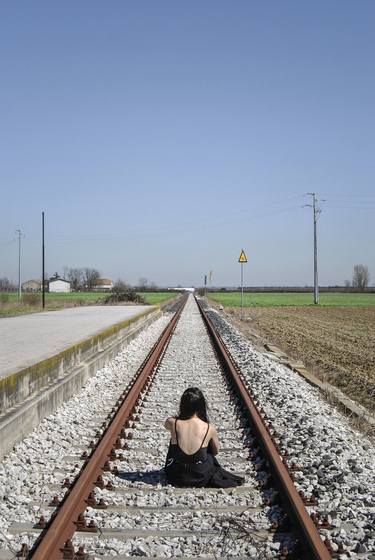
6 285
81 278
347 284
120 287
91 276
361 276
153 286
142 283
76 278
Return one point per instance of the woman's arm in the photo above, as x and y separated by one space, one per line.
214 442
169 423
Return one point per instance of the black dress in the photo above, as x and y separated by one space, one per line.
198 469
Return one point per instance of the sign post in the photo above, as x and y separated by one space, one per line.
242 260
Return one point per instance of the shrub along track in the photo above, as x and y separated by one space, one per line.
119 502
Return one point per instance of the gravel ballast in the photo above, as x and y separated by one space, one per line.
184 522
145 516
337 462
27 472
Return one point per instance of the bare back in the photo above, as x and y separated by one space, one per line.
192 434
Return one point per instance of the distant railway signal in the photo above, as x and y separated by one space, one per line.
242 260
243 257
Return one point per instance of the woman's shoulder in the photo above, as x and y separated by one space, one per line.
208 427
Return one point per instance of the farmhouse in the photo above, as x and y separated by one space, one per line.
58 285
103 285
32 286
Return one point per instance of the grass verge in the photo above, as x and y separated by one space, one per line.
11 305
273 299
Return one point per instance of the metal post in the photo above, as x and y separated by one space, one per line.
18 231
241 291
242 259
43 272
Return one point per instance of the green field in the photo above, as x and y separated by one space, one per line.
273 299
158 297
72 296
10 305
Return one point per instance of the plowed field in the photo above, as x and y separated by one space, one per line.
335 343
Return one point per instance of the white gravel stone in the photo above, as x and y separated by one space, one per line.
188 361
337 462
28 470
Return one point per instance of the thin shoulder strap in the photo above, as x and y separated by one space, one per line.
205 435
175 429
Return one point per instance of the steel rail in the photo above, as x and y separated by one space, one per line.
315 548
62 525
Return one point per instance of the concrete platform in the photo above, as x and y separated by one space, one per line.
46 358
29 339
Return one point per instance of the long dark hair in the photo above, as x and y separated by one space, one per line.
193 402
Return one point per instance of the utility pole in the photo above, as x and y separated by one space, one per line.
43 271
19 233
316 212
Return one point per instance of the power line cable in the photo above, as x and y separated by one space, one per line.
333 207
188 224
169 230
341 196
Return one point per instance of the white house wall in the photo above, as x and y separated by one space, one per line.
58 286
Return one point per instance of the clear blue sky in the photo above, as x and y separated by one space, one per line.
162 137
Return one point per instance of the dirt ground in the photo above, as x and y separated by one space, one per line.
337 344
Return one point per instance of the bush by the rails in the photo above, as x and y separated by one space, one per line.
127 296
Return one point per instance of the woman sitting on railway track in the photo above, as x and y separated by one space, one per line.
194 443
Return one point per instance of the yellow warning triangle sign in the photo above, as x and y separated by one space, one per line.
243 257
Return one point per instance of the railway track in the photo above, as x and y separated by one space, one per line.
119 503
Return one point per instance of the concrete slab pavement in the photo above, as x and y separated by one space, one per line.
32 338
46 358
